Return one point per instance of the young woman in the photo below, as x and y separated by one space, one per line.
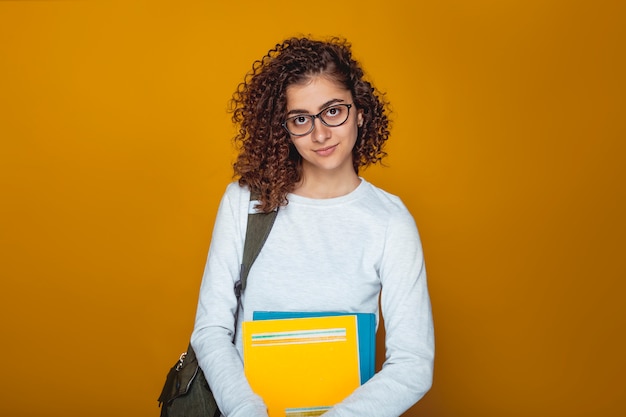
308 121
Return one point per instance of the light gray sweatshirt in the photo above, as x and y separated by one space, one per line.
336 254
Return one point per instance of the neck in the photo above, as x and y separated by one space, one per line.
320 186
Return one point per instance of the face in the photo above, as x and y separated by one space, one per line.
324 150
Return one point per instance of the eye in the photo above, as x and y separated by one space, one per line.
333 112
300 120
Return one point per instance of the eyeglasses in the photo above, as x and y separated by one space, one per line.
331 116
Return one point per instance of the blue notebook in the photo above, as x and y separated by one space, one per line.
366 325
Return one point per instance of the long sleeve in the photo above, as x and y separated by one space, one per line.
408 369
215 318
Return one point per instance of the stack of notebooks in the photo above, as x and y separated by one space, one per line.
302 363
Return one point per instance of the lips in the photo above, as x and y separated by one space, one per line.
325 151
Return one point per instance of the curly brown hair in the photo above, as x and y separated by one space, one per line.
268 162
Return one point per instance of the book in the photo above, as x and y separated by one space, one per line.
302 366
366 327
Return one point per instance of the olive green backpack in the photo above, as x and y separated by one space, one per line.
186 392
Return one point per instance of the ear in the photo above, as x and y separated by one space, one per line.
359 118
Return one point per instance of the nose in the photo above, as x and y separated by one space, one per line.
321 132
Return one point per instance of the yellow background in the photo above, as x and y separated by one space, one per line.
507 147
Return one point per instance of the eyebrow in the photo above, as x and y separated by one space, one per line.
323 106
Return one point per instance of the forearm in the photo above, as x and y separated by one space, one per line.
223 369
212 338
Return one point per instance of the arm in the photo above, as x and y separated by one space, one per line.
215 317
407 372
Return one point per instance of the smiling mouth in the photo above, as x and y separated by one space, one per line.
325 150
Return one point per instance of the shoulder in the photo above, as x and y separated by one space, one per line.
390 212
233 189
384 202
236 194
235 198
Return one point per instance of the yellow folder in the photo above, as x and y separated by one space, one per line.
302 366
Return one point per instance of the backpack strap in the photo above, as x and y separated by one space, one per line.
257 231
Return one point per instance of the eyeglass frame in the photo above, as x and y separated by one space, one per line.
317 116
